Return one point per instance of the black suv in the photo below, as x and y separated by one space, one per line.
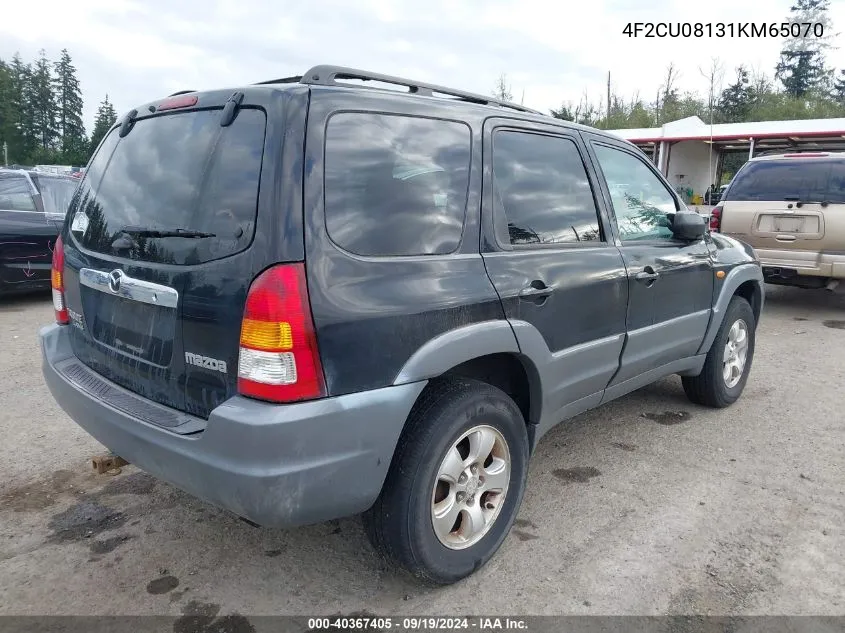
33 205
309 298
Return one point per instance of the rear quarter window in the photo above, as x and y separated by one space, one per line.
805 179
395 185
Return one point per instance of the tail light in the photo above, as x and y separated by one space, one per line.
57 281
716 218
279 360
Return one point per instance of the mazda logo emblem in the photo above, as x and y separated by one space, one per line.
114 280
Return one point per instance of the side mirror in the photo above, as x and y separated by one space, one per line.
689 226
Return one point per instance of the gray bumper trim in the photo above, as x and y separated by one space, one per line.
277 465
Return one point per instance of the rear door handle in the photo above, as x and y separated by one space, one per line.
537 289
647 275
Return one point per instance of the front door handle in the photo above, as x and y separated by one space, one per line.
537 289
647 276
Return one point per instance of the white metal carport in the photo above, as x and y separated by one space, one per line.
689 151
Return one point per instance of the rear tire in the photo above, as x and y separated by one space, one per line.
463 455
728 362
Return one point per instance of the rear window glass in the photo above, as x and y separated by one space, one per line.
179 171
56 193
15 194
804 179
395 185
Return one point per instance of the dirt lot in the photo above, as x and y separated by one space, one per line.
649 505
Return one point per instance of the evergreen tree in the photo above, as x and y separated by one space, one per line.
736 100
564 112
25 137
838 92
43 104
74 145
802 64
106 116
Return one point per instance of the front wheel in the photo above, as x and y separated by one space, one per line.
728 362
455 483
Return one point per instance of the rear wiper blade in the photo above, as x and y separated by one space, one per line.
187 233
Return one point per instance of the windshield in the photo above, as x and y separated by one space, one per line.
800 179
177 171
56 193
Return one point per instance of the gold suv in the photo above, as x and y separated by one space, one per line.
791 209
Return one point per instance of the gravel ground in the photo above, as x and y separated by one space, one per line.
649 505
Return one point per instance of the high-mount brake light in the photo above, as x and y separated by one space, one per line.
177 102
279 360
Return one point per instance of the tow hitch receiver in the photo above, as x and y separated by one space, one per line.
106 463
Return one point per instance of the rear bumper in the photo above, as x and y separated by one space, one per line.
807 263
277 465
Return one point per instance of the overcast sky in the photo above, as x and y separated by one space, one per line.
551 49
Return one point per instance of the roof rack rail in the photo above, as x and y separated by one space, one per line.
283 80
181 92
327 75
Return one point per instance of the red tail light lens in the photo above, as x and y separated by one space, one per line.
57 282
279 360
716 219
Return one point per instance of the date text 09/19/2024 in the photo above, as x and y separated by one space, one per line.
724 29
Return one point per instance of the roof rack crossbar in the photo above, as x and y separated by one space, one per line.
181 92
327 75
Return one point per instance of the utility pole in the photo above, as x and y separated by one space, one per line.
5 153
608 99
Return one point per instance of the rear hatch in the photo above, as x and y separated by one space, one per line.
162 239
794 203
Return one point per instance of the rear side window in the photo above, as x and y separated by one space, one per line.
541 184
804 179
175 172
15 193
395 185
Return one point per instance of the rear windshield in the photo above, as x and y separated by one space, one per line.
803 179
56 193
179 172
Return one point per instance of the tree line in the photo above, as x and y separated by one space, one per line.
41 113
801 86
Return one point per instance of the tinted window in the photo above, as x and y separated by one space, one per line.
15 193
541 184
56 193
176 171
395 185
779 179
641 202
